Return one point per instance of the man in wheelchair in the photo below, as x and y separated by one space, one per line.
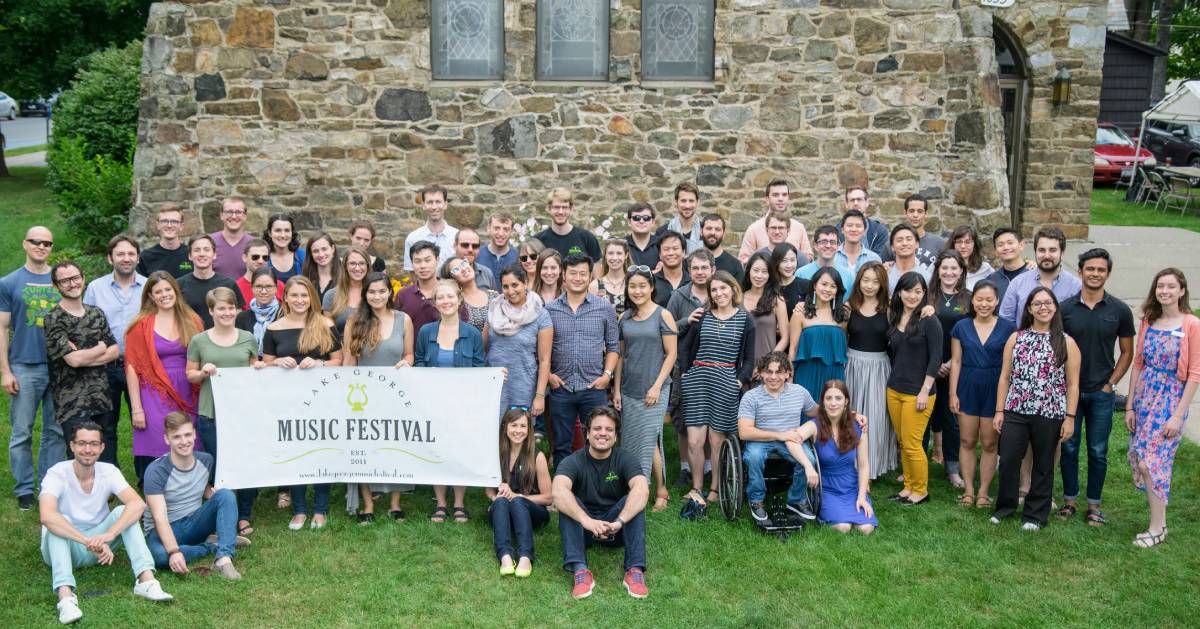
769 420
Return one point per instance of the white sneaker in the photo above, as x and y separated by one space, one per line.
151 591
1030 526
994 520
68 610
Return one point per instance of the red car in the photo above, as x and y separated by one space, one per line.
1115 154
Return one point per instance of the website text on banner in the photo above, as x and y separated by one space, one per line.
357 425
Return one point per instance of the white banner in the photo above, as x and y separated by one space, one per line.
357 425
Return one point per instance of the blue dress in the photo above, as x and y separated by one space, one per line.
839 484
820 356
981 363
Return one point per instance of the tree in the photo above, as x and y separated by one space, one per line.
1184 62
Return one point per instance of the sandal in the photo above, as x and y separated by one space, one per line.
1095 517
284 501
245 530
439 515
984 502
660 503
1068 511
461 516
966 500
1147 539
397 514
712 497
366 518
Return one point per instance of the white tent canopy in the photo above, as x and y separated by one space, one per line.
1182 105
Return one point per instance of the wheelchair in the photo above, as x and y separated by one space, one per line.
777 474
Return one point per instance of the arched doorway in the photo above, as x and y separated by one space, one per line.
1014 102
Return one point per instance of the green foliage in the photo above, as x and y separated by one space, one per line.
43 41
1184 62
93 193
101 108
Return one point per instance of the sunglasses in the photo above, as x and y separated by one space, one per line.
256 257
37 242
519 407
528 258
641 218
469 245
640 268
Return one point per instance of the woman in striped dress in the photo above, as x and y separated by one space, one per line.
716 362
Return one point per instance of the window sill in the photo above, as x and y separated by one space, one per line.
661 85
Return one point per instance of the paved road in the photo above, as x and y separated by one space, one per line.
1138 253
23 132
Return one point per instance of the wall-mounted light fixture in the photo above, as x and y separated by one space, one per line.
1061 93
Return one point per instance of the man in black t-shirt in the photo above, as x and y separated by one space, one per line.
195 285
561 235
169 254
600 494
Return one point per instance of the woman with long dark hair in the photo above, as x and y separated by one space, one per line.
785 259
322 266
715 363
303 338
868 365
519 504
951 302
817 334
976 357
761 298
1039 386
527 256
648 351
843 454
965 240
287 258
156 366
548 278
520 335
377 335
1166 373
264 305
915 345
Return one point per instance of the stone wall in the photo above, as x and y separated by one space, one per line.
326 109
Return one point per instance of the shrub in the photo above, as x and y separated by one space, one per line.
93 194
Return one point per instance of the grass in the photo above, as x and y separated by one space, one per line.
935 566
25 150
1109 207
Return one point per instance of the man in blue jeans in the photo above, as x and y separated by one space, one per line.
769 417
1096 320
584 353
182 526
26 296
601 495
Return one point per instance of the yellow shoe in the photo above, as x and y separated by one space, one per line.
524 572
507 570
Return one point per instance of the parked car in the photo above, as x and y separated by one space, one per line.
38 106
8 107
1174 142
1114 154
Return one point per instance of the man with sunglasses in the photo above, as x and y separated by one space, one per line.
466 246
642 243
118 296
168 254
79 344
26 296
231 239
254 257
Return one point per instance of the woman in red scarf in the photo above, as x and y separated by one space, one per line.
155 366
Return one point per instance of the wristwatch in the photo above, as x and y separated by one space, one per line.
609 373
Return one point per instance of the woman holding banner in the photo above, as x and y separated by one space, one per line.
219 347
378 335
520 503
303 338
449 342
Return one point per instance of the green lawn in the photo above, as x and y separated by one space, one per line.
25 150
1109 207
938 565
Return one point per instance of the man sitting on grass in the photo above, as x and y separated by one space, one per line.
78 530
181 526
600 494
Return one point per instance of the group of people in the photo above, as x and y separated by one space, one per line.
886 339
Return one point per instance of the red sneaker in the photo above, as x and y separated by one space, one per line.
584 584
635 583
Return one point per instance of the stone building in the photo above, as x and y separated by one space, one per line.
337 109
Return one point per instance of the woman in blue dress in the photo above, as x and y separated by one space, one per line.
842 453
817 333
976 357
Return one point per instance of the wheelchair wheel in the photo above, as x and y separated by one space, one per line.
732 480
814 493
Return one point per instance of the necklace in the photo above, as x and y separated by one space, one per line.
946 300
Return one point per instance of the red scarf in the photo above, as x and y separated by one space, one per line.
140 354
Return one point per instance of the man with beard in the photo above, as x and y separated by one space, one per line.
1049 245
687 198
118 296
712 230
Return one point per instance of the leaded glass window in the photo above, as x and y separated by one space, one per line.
572 39
468 39
677 39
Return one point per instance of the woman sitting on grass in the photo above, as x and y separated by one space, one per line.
844 467
520 503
